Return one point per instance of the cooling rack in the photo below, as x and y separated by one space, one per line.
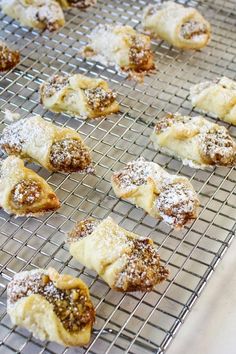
133 323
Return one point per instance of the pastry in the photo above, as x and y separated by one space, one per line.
55 148
121 46
218 97
23 192
39 14
78 95
162 195
8 58
81 4
196 141
125 261
182 27
53 307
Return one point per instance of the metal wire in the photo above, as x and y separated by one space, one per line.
134 323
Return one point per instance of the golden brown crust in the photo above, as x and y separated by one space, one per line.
8 58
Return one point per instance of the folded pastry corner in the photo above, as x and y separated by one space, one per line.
182 27
23 192
218 97
125 261
39 14
121 46
53 307
80 4
78 95
8 58
196 141
162 195
55 148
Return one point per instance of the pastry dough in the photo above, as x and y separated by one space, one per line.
53 307
217 97
162 195
55 148
126 261
39 14
182 27
8 58
23 192
121 46
196 141
81 4
78 95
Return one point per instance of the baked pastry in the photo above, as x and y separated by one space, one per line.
80 4
121 46
53 307
8 58
55 148
125 261
78 95
218 97
39 14
23 192
196 141
182 27
162 195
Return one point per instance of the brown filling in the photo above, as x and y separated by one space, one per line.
191 29
55 84
70 155
26 193
82 3
140 55
71 306
177 204
82 229
98 98
143 270
168 120
8 58
217 147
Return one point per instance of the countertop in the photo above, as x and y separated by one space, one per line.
210 327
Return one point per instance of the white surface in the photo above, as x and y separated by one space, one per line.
210 328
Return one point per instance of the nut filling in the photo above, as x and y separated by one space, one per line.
69 155
143 269
139 54
82 4
26 192
55 84
99 98
177 204
191 29
8 58
82 229
218 147
169 120
71 306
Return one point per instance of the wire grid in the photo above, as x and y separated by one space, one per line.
134 323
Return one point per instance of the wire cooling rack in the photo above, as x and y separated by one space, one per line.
133 323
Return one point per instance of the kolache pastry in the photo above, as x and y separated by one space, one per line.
54 307
55 148
218 97
78 95
121 46
23 192
196 141
182 27
8 58
38 14
162 195
125 261
80 4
